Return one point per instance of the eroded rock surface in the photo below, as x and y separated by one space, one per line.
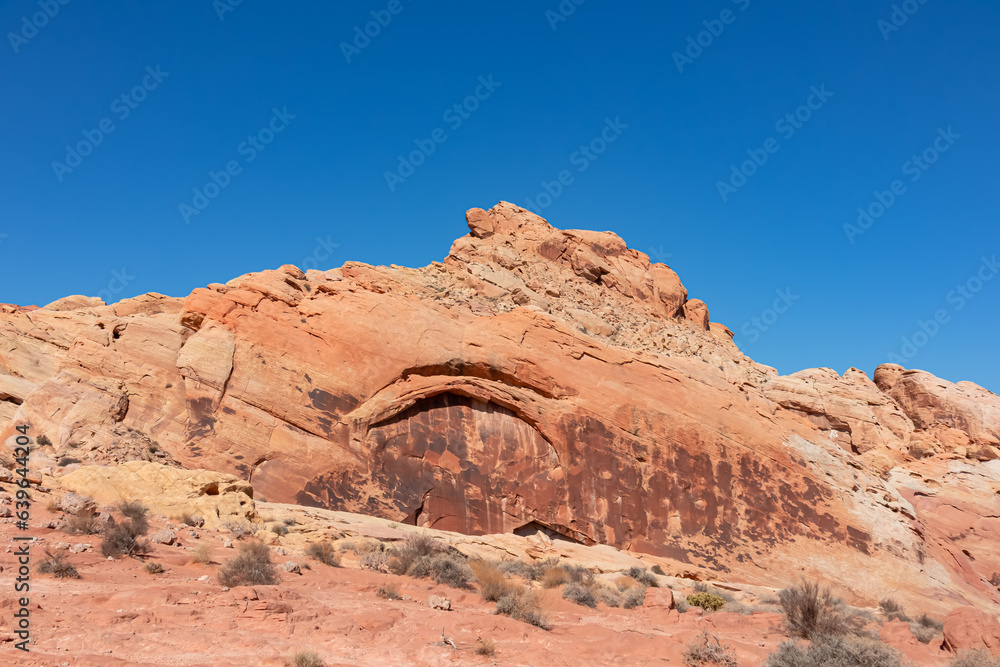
535 380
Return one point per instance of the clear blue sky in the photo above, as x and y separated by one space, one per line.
657 184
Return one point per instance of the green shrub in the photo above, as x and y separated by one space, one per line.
707 601
836 652
709 650
251 567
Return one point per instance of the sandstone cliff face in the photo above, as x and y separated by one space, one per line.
537 379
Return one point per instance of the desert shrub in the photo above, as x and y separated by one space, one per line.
812 612
580 594
81 523
388 591
486 648
709 650
609 596
924 635
623 583
188 520
995 579
700 587
374 561
579 575
522 605
306 659
927 622
893 610
152 567
289 521
836 652
68 460
252 566
658 570
124 538
750 609
634 597
416 547
451 570
56 564
707 601
324 552
43 440
365 547
279 529
492 582
643 576
976 658
681 605
240 529
202 554
554 577
516 567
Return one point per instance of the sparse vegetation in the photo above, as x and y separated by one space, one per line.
419 557
193 521
202 554
240 529
709 650
81 523
609 596
522 605
707 601
405 557
324 552
306 659
68 460
643 576
634 597
152 567
681 605
836 652
451 571
124 538
279 529
375 560
252 566
812 612
893 610
493 583
289 521
580 594
388 591
486 648
927 622
56 564
43 440
658 570
976 658
554 577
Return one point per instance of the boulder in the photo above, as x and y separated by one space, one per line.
439 602
971 628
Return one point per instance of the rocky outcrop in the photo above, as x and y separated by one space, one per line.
967 628
535 381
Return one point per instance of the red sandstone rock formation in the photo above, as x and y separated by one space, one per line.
537 379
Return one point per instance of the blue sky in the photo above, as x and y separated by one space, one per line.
200 79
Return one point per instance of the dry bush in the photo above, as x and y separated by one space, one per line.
658 570
522 605
923 635
609 596
324 552
643 576
279 529
927 622
81 523
123 538
634 597
492 582
709 650
812 612
893 610
252 566
579 575
976 658
624 583
526 571
193 521
707 601
306 659
202 554
43 441
580 594
403 558
289 521
376 561
836 652
681 605
240 529
554 577
388 591
451 570
152 567
56 564
53 506
486 648
995 579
